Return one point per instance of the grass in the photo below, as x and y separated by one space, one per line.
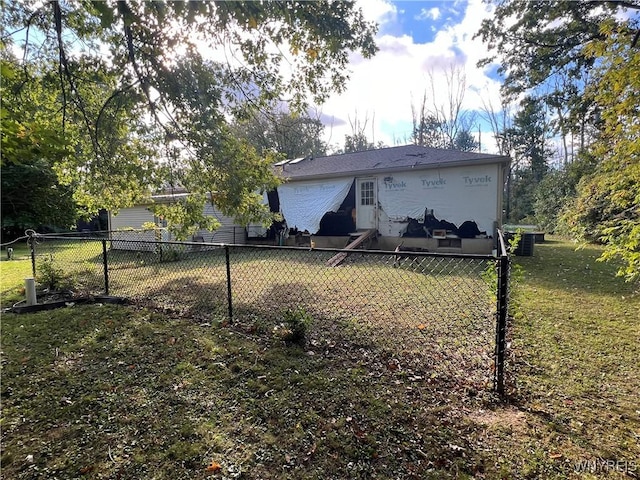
436 308
111 391
128 392
12 274
76 265
576 350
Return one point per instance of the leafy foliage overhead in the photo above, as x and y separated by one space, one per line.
540 46
135 78
535 40
607 207
582 59
285 133
31 194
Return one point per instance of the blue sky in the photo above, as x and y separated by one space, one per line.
419 42
422 20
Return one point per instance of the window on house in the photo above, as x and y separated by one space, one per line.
367 193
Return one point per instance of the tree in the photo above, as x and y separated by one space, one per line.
501 123
33 198
607 207
427 128
358 140
528 137
444 124
594 47
31 194
557 190
136 77
541 46
465 142
283 132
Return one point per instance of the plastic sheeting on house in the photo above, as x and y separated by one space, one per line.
303 204
401 197
453 194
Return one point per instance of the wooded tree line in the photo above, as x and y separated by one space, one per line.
575 66
104 102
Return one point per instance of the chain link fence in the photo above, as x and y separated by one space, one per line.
442 317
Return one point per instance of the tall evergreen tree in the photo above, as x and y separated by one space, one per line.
529 138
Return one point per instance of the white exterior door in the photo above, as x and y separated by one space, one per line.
366 203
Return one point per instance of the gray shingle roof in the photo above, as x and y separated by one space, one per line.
389 159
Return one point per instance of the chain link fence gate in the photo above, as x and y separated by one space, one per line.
442 316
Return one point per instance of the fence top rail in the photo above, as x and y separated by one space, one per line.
277 247
502 244
365 252
19 239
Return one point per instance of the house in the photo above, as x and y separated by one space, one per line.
126 226
408 194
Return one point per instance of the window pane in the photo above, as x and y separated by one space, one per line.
366 193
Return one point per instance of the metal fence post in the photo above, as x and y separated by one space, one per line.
229 298
32 248
105 266
501 322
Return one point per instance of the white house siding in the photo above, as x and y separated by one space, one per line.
228 232
122 224
134 217
455 194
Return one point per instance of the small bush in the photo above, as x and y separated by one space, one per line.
169 255
294 328
53 277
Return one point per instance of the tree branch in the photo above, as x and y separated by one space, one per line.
65 72
107 102
57 15
624 4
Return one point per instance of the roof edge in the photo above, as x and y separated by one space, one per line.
498 159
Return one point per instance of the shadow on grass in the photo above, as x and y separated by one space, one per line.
188 296
131 393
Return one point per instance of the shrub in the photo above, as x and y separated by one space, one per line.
294 328
53 277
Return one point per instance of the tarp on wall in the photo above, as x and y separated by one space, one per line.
454 194
303 204
401 197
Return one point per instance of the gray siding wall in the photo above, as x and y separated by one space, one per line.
135 217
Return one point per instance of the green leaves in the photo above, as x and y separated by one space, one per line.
609 200
578 57
130 85
31 194
284 133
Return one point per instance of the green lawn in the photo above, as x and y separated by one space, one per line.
78 262
12 274
126 392
577 358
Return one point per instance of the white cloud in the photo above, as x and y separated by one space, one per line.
431 13
383 87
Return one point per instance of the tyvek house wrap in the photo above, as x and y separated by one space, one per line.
454 194
303 204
